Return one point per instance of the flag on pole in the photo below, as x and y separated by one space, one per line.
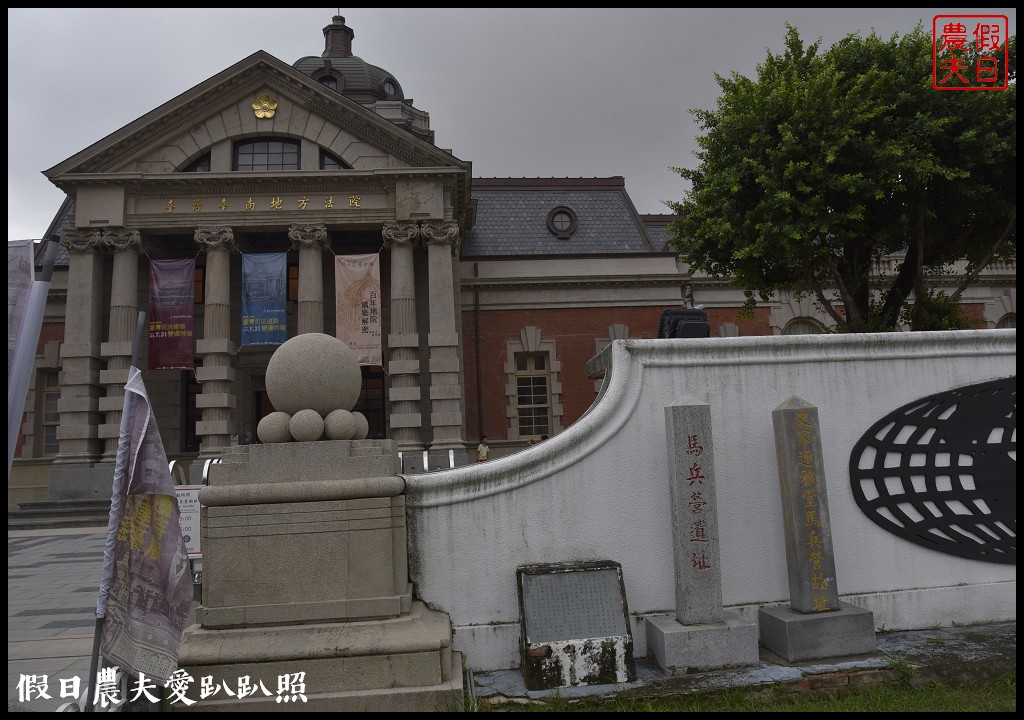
146 591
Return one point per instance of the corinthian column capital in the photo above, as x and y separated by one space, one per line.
309 236
396 234
441 233
118 239
80 241
212 237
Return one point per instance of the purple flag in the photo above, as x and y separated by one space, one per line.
150 588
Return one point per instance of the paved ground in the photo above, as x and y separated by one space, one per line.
53 576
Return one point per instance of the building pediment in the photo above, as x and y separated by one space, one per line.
259 96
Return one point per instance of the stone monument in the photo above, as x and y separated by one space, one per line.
306 602
703 635
816 623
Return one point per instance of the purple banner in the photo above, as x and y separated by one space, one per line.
171 313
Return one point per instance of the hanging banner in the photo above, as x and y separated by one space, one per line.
357 299
264 298
171 313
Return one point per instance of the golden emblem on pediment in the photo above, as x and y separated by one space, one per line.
265 106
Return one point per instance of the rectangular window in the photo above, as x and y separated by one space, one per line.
48 417
533 394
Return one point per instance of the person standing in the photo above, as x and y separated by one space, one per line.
482 449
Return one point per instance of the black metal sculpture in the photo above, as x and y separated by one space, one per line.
941 472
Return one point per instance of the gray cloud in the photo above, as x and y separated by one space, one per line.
524 92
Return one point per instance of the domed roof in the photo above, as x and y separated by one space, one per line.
337 68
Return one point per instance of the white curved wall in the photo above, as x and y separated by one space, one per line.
600 489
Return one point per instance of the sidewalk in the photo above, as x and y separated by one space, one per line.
53 576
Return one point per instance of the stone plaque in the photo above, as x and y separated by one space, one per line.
575 625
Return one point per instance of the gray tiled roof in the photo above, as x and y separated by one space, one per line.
657 230
513 221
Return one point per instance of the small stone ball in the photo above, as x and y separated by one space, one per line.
340 425
362 426
273 428
306 425
313 371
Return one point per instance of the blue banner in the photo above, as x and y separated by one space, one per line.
264 298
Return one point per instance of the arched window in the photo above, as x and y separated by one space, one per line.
331 162
803 326
1007 321
200 164
266 154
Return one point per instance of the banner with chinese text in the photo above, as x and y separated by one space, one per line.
171 314
357 299
264 298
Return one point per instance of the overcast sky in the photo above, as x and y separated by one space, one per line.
523 92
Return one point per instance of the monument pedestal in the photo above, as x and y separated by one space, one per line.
306 581
681 649
795 636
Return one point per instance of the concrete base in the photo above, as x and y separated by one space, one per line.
92 481
401 664
795 636
681 649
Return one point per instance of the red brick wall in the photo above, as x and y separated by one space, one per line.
48 332
758 325
574 331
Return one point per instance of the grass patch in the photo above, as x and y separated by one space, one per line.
994 696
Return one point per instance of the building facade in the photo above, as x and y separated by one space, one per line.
495 291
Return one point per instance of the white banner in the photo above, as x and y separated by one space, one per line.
358 303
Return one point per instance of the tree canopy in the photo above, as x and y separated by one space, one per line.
828 161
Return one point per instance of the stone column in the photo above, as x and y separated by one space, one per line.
80 351
217 401
124 317
405 420
442 239
76 473
311 240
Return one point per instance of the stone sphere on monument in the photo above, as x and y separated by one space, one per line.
362 426
340 425
313 371
273 428
306 426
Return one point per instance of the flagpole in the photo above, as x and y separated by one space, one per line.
113 520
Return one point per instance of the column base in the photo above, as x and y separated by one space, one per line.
794 636
85 481
682 649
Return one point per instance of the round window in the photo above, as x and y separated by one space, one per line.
562 222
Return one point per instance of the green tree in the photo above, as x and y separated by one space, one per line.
828 161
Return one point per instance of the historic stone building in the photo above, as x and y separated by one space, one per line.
495 292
